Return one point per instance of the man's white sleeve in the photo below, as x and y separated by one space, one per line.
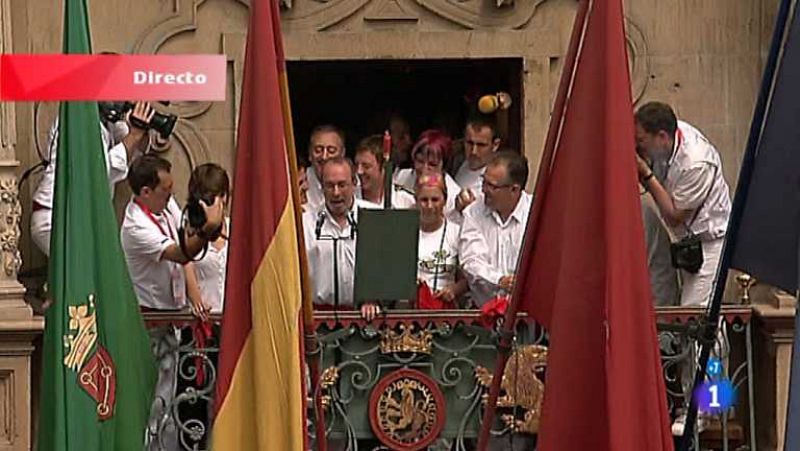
693 186
117 163
142 241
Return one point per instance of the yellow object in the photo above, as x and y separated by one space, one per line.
488 104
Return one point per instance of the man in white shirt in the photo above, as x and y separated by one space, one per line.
157 263
480 143
151 235
493 229
369 167
326 142
694 197
120 140
330 227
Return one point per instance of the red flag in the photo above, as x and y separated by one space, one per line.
583 273
260 397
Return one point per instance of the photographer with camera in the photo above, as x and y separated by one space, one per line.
122 135
684 177
207 182
158 250
158 247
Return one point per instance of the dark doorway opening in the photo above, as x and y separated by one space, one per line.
360 95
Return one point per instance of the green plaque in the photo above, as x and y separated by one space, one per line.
386 255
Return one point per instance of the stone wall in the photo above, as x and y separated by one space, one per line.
702 56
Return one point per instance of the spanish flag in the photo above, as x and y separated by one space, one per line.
260 398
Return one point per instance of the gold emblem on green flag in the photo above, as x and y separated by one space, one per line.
81 340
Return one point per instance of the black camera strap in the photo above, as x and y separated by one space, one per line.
700 207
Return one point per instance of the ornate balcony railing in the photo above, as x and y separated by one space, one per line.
414 377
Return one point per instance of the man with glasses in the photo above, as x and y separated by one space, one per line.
332 227
326 142
480 143
493 229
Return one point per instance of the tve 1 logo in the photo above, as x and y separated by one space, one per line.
717 394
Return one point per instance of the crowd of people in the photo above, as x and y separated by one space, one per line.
472 203
470 233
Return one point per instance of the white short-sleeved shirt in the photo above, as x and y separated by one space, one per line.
159 283
437 256
489 248
695 172
320 254
210 272
407 179
116 161
471 180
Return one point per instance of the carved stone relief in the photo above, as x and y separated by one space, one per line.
10 214
637 59
470 14
188 138
474 14
391 10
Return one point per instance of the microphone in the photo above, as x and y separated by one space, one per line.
320 220
490 103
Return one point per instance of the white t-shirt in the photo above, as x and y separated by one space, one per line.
116 161
469 179
437 256
210 272
159 283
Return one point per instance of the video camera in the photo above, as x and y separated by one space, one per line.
115 111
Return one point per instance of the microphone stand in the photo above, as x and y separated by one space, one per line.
335 240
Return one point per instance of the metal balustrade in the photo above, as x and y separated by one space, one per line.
457 352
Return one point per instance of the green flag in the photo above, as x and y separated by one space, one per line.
98 370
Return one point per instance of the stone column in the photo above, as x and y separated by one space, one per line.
773 336
18 326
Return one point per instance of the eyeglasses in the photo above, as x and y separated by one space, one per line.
494 186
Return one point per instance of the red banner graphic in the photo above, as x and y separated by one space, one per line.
55 77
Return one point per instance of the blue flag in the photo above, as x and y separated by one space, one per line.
766 243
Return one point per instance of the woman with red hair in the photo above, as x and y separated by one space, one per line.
429 155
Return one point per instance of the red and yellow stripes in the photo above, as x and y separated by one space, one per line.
260 395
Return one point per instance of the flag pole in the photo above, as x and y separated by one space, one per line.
311 345
388 169
553 133
708 332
